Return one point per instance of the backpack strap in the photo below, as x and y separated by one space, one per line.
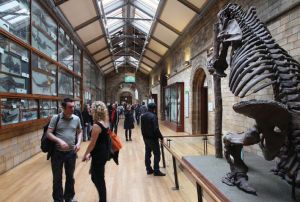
57 120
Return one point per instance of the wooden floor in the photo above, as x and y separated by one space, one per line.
128 182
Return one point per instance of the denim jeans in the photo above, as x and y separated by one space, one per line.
86 132
58 160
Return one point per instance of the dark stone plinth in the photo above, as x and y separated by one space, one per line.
269 187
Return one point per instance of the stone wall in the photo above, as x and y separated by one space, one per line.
282 18
18 149
113 81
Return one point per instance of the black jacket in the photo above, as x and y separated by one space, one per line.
129 120
149 126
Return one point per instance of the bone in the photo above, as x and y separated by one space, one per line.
290 162
263 86
253 83
239 70
239 84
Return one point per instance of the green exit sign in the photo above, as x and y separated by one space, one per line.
129 79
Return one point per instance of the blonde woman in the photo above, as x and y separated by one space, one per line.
98 148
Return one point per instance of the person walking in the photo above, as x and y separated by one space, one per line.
137 113
87 122
64 154
151 135
98 148
128 122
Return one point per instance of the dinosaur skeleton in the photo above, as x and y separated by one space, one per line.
257 62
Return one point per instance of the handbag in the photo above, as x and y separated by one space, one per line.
115 140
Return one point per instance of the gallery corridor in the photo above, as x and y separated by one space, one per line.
31 181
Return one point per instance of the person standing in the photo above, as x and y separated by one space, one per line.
128 122
137 114
98 147
87 122
64 154
151 135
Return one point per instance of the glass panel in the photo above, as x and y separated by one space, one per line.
86 72
144 26
28 110
47 108
173 104
120 61
116 13
77 61
114 24
10 111
111 5
65 84
43 76
14 69
15 17
167 104
65 49
178 104
147 6
77 88
44 31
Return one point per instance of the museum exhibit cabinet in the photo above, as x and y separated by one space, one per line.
40 64
174 106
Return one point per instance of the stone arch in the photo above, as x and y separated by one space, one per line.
199 110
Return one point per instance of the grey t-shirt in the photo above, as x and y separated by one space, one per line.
66 129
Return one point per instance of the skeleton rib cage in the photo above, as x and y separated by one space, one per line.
257 62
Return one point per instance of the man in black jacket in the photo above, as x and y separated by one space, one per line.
151 134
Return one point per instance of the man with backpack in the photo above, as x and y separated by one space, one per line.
66 147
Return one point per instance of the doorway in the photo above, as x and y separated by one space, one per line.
126 97
200 102
154 97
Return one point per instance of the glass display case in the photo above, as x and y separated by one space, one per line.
14 67
28 110
18 110
65 83
44 31
10 111
65 49
174 106
47 108
77 60
43 76
15 17
77 88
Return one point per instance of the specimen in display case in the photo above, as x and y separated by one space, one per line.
44 28
28 110
47 108
14 67
10 111
15 17
65 49
65 83
12 84
174 106
43 76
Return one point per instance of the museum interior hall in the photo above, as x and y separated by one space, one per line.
149 100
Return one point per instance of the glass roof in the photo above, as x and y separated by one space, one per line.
121 19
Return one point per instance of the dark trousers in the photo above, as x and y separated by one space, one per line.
126 133
98 178
58 160
137 117
152 146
